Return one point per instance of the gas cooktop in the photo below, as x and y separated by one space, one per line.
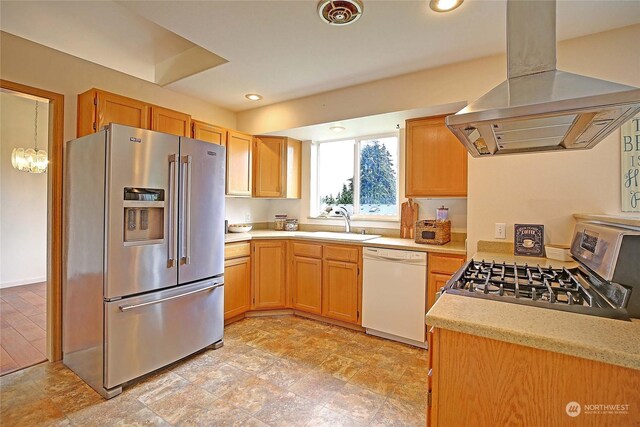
556 288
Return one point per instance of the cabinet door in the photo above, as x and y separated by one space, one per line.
269 166
294 169
306 278
340 291
209 133
269 274
434 283
113 108
169 121
237 286
436 161
239 147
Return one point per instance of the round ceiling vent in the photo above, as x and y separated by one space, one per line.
340 12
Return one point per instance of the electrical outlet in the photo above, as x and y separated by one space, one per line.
501 230
247 218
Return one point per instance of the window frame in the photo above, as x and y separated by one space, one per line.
357 216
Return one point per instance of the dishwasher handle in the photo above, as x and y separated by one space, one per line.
410 257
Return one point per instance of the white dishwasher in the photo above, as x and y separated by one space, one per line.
394 294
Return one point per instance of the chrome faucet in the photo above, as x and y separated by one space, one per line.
342 211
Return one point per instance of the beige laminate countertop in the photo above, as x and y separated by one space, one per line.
604 340
457 248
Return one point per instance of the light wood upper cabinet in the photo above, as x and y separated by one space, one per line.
239 155
169 121
209 133
306 275
269 274
277 167
340 291
436 162
237 286
97 109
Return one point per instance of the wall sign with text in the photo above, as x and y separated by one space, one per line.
528 240
630 132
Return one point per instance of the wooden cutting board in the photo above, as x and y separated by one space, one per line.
408 218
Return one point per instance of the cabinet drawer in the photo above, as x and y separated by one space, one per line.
341 253
236 250
307 250
445 263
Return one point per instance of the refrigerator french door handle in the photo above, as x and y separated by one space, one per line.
186 259
144 304
171 262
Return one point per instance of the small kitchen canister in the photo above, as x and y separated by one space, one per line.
280 222
291 225
442 214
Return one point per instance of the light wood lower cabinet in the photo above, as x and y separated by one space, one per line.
340 291
306 275
237 287
497 383
269 274
441 268
325 280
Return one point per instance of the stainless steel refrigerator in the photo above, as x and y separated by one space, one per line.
143 253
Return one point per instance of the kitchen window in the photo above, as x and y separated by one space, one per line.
360 174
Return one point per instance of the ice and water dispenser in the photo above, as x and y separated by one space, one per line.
143 216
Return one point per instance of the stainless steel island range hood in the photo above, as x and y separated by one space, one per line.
540 108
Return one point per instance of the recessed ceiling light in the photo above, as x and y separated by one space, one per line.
253 96
337 128
444 5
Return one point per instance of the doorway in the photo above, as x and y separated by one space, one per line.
30 226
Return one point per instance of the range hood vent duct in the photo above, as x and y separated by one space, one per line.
539 108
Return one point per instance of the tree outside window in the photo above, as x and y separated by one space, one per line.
373 191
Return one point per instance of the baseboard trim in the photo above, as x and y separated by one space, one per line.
292 312
23 282
264 313
328 320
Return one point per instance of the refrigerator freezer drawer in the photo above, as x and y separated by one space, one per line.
148 332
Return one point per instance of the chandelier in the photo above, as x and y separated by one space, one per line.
30 160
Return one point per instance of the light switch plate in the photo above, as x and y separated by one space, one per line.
501 230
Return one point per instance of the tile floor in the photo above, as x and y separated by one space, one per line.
272 371
23 326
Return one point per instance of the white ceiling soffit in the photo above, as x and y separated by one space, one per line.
108 34
365 126
281 49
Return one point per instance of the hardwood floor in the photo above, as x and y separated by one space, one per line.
23 326
272 371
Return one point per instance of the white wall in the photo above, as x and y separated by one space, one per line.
23 196
545 188
241 210
32 64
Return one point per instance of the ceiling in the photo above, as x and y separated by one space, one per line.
281 49
366 126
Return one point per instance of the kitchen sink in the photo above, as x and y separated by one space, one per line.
343 236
